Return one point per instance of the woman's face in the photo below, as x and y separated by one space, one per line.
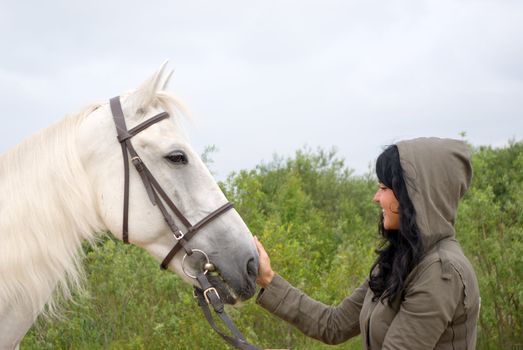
390 206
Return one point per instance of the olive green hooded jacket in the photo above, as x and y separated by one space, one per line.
440 304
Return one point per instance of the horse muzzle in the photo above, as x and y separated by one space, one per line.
232 285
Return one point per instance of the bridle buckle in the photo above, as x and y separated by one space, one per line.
138 164
205 292
180 234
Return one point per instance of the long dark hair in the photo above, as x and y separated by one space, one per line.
401 249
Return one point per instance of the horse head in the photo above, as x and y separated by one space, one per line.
163 148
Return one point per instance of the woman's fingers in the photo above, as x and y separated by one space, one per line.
259 247
265 272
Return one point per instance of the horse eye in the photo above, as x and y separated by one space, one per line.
177 157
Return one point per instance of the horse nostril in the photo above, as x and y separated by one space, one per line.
252 268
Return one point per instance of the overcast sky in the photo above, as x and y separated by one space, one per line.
266 77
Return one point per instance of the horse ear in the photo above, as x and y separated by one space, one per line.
166 80
146 93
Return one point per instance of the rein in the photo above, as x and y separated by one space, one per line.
206 294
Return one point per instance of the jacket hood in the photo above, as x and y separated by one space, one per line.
437 173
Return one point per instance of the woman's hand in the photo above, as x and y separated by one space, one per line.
265 273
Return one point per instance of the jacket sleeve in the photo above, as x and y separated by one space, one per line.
329 324
427 310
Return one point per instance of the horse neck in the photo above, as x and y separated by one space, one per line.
46 211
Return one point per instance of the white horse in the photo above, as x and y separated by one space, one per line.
65 185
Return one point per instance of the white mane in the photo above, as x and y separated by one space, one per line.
46 198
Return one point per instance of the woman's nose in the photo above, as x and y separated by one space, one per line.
376 198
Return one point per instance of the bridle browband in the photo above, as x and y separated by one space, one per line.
206 294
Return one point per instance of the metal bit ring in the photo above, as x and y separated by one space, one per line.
206 265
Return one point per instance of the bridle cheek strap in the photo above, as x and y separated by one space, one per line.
124 137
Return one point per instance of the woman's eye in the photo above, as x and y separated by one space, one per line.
177 157
382 187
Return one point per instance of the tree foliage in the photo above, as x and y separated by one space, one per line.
490 227
319 225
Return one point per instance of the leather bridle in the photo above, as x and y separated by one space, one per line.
154 190
158 197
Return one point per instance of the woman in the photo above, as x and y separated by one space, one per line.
422 292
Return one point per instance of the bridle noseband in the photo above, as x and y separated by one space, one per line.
206 294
